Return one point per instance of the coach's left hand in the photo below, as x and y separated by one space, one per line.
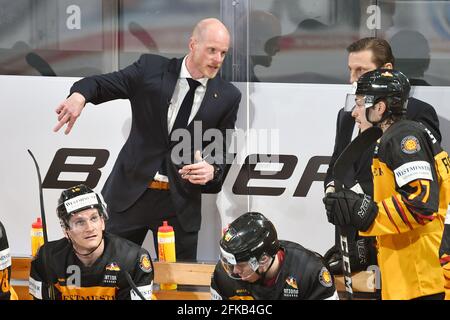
198 173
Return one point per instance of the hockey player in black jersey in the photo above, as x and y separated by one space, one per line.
89 264
256 265
6 291
411 182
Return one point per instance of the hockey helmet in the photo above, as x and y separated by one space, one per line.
77 199
249 237
387 84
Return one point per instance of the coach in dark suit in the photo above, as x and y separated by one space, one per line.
365 55
149 183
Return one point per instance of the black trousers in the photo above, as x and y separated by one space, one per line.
148 213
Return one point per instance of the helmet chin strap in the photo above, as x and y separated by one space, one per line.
368 120
263 274
85 254
386 114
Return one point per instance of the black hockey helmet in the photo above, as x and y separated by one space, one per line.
76 199
390 85
248 237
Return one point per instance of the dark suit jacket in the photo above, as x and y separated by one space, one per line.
149 84
417 110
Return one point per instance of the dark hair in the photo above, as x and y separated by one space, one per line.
382 52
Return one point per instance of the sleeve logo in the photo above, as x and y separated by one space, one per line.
145 263
411 171
325 278
410 145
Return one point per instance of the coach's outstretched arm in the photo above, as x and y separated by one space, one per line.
69 110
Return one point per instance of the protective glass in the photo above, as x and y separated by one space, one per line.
357 100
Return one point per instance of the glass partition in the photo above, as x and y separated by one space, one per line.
159 26
288 41
56 37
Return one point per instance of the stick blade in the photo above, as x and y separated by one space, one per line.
354 150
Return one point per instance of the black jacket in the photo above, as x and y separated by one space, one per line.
5 265
149 84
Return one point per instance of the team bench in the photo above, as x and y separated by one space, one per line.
193 280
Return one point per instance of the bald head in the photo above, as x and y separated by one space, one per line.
207 48
208 27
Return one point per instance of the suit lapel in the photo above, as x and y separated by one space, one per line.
169 81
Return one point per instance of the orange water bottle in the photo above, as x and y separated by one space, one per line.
166 250
37 236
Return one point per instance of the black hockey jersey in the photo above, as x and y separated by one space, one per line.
302 276
57 271
5 266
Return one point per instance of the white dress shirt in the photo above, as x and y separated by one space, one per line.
181 89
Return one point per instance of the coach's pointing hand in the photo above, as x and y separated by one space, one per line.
69 110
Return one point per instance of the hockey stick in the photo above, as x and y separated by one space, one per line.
38 63
144 37
353 152
133 285
44 224
41 197
347 158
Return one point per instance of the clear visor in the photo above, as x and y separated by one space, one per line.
78 224
240 270
357 100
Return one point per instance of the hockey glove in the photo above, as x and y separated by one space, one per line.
349 208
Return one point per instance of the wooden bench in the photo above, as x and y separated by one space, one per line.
363 284
194 277
193 280
20 272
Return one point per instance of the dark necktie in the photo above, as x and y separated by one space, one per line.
182 118
186 106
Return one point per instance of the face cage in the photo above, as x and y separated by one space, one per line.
251 264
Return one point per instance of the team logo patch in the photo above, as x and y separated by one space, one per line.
112 267
410 145
291 290
227 236
292 282
145 263
325 278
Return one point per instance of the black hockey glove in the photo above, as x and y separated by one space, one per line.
350 208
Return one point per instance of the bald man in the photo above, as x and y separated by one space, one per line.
151 181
